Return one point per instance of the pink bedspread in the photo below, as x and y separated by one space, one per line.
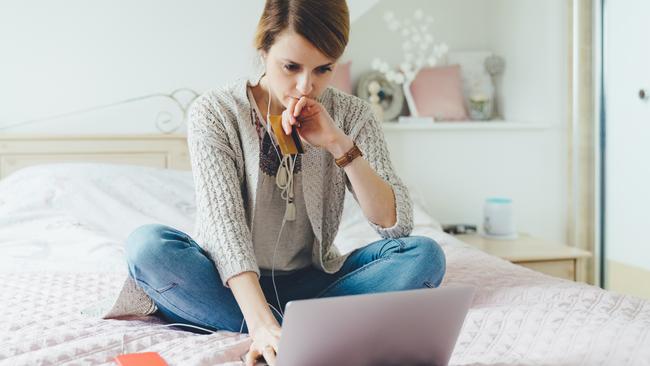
519 317
62 229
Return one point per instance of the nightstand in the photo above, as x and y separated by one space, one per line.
537 254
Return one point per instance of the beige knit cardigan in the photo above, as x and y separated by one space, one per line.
224 154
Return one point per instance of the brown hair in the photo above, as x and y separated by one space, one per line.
326 24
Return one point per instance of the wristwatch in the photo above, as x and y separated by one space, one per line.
347 158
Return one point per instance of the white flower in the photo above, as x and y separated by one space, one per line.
376 63
436 51
405 66
418 47
440 50
374 87
410 75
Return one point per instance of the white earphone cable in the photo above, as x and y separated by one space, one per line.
287 194
268 127
285 171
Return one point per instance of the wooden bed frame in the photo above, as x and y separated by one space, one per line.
18 151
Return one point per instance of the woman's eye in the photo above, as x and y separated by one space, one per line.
291 67
323 70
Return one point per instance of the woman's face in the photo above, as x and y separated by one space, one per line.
295 68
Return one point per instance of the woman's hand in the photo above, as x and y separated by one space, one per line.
312 122
266 341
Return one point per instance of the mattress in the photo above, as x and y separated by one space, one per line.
62 229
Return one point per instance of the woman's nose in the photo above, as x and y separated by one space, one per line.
304 85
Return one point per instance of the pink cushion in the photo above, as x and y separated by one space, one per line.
438 93
341 78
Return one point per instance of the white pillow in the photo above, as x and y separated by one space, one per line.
71 213
84 211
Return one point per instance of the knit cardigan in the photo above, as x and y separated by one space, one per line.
224 153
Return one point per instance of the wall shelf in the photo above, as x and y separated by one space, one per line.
465 125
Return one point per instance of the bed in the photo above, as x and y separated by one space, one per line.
67 204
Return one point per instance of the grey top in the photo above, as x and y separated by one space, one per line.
294 249
224 154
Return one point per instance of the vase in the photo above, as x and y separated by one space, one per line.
480 109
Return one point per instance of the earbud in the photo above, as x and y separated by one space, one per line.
263 62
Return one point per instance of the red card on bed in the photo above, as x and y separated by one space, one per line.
140 359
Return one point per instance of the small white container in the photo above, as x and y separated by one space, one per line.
499 219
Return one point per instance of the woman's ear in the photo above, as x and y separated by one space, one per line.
263 61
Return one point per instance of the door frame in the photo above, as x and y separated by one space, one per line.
602 141
583 139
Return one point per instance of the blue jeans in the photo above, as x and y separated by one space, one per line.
185 285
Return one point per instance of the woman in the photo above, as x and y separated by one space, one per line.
266 221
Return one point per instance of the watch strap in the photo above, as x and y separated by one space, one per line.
350 155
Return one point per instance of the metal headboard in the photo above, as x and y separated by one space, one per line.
164 121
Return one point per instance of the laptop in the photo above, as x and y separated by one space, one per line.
412 327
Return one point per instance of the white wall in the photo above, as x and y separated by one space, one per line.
455 170
627 176
533 37
56 58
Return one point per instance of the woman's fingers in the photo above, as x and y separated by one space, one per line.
287 117
275 342
286 122
297 112
291 107
308 113
269 355
298 108
251 357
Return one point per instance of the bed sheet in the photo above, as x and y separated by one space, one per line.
61 251
77 216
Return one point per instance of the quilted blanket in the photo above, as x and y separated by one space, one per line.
58 257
